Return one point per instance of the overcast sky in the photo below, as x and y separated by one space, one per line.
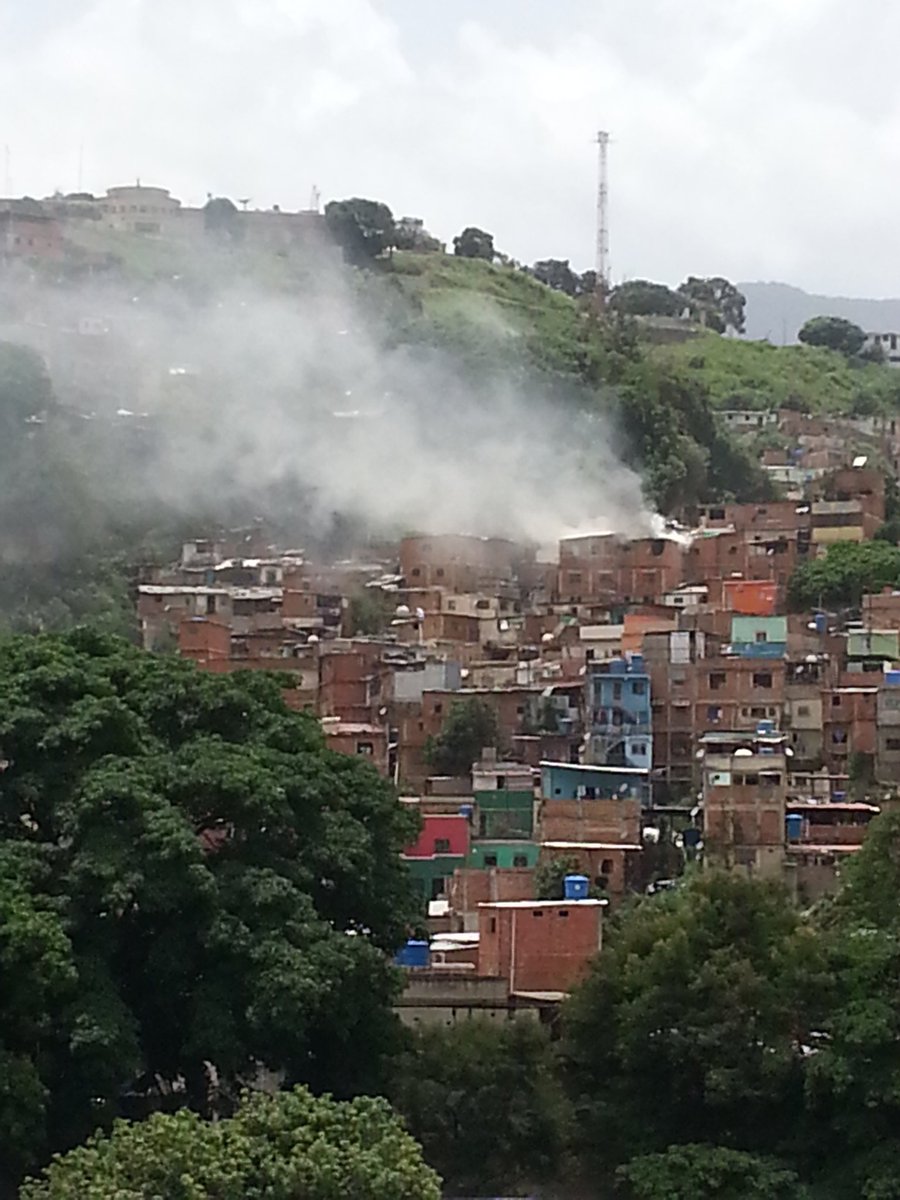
758 139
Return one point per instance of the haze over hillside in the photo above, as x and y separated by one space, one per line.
777 311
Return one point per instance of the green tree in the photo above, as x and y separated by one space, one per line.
847 572
411 234
486 1103
25 391
369 612
470 726
853 1079
641 298
714 302
557 274
835 333
281 1147
222 218
363 229
227 887
474 243
702 998
699 1172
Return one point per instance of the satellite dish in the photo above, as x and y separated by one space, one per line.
547 639
312 640
743 753
402 610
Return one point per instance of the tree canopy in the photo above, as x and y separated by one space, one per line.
470 725
846 573
474 243
281 1147
701 999
714 302
453 1083
222 217
835 333
188 878
25 390
557 274
698 1172
362 228
641 298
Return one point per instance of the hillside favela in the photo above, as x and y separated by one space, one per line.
449 612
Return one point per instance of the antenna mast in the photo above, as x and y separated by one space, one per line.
602 218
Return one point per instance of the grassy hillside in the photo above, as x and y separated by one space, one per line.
739 374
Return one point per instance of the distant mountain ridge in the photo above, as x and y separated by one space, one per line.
777 311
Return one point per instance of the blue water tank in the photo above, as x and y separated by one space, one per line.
765 727
821 620
466 810
794 824
892 678
575 887
637 663
691 837
413 954
618 666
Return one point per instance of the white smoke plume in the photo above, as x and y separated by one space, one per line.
246 387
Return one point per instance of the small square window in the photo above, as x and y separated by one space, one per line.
520 860
442 845
490 860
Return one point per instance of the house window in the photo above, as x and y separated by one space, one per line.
537 912
451 606
563 912
761 636
501 782
367 749
713 713
606 866
520 860
835 701
490 860
438 709
802 710
762 679
716 680
440 572
617 691
893 743
416 572
639 687
442 845
639 748
493 924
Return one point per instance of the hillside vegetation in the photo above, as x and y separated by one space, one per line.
757 375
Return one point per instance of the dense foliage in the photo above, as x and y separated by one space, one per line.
844 575
697 1172
642 298
191 888
362 228
702 998
281 1148
835 333
486 1103
474 243
470 726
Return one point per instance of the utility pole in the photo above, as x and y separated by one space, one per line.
602 287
